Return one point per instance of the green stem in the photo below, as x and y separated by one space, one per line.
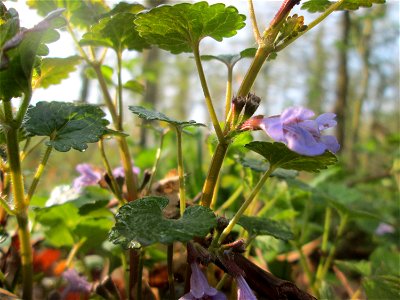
7 206
214 198
38 175
324 244
255 67
23 108
156 161
182 196
114 184
120 101
230 200
139 276
310 26
26 152
244 206
304 263
73 252
213 172
210 106
221 283
256 32
170 253
107 97
228 95
130 178
18 193
328 262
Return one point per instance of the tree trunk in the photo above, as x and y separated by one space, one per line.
342 81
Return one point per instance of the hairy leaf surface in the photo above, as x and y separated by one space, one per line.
67 125
180 27
142 222
264 226
278 155
151 115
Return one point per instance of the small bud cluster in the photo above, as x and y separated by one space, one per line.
243 108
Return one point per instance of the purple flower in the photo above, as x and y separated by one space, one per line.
89 176
294 128
199 287
244 292
75 283
120 172
384 228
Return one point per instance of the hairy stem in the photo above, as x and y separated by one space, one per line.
182 193
228 95
130 177
21 210
256 32
120 101
156 161
213 172
246 204
114 184
38 175
210 106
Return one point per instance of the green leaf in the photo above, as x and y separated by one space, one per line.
151 115
116 31
66 224
53 70
231 59
79 13
316 5
134 86
19 53
9 23
278 155
181 27
322 5
382 287
141 223
68 125
262 167
264 226
362 267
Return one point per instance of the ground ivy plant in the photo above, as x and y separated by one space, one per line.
137 219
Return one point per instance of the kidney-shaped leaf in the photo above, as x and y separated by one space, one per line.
53 70
264 226
151 115
142 222
117 32
231 59
178 28
278 155
322 5
68 125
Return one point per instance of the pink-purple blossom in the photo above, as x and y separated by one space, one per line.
75 283
295 128
91 176
199 287
88 176
244 292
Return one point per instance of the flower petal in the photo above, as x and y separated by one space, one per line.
244 291
301 141
187 296
273 127
326 120
199 286
219 296
330 142
295 115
